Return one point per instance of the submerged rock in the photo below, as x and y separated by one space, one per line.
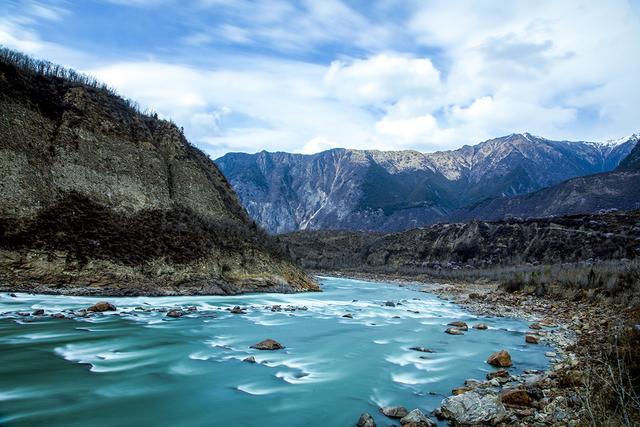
394 411
416 418
481 326
500 358
454 331
473 408
102 306
58 316
38 312
348 316
421 349
366 420
238 310
390 304
268 344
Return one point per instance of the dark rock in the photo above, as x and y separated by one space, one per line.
238 310
454 331
250 359
348 316
416 418
174 313
38 312
394 411
13 295
390 304
58 316
481 326
500 358
102 306
366 420
268 344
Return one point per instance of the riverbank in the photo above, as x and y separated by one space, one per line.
581 385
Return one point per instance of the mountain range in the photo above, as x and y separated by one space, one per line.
396 190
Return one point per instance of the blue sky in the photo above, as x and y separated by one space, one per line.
305 76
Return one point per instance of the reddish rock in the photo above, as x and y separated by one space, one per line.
480 326
102 306
454 331
460 325
500 358
515 397
502 373
531 339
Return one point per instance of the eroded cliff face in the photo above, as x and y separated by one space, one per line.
98 198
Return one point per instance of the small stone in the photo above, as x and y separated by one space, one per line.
460 325
174 313
454 331
13 295
394 411
102 306
249 359
500 358
366 420
58 316
390 304
268 344
38 312
531 339
348 316
238 310
416 418
480 326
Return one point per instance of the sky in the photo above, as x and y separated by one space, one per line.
305 76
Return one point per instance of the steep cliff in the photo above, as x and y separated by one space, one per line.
97 198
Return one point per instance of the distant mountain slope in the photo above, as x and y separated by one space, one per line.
395 190
632 161
98 198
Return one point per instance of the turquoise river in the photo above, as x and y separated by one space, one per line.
138 367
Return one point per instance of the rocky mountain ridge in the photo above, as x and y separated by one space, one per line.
396 190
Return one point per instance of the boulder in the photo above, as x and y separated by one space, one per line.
481 326
366 420
268 344
394 411
238 310
174 313
473 408
38 312
531 339
454 331
416 418
515 397
460 325
500 358
249 359
102 306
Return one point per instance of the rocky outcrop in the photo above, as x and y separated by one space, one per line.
98 198
477 244
268 344
396 190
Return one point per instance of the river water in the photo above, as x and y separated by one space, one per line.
137 367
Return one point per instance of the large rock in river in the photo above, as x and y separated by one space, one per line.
366 420
416 418
500 358
268 344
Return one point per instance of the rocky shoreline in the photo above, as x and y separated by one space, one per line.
536 398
